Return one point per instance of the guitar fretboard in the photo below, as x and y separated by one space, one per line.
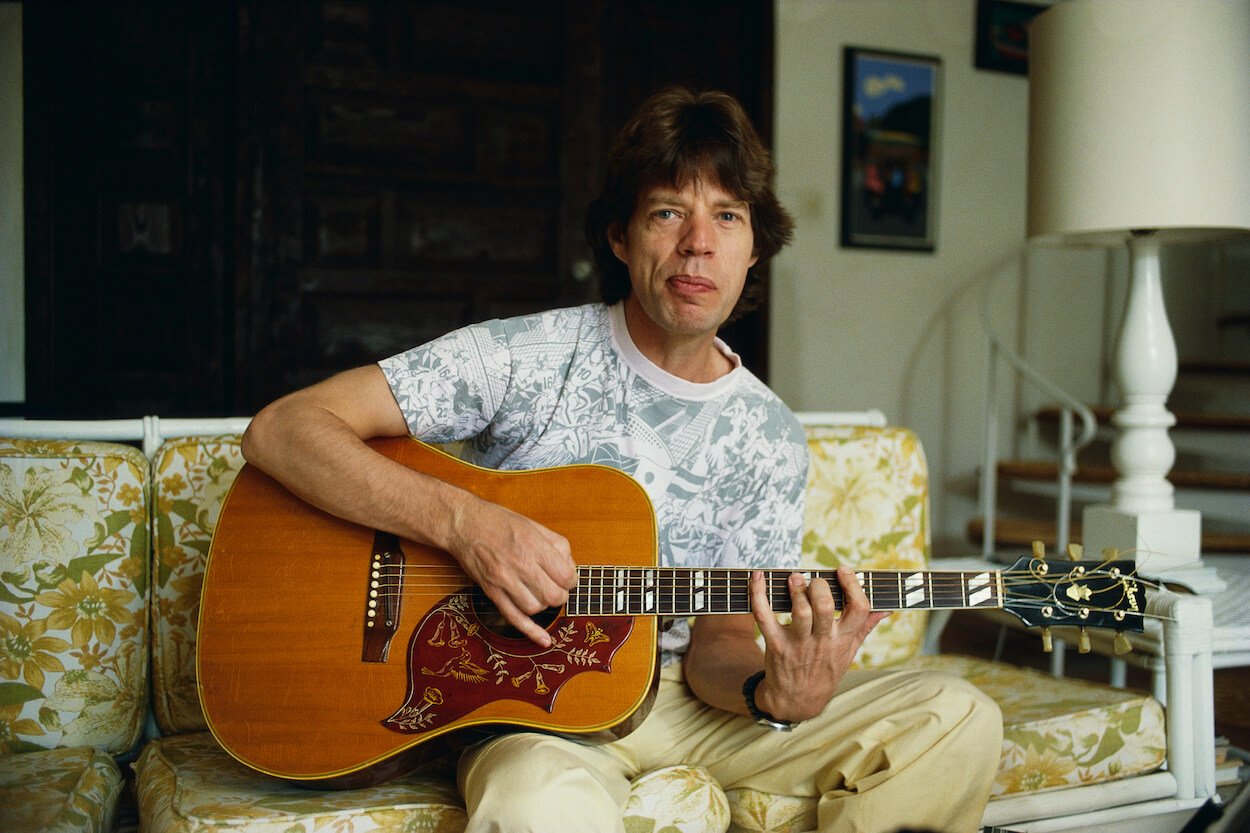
660 591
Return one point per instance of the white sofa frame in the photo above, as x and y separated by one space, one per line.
1159 802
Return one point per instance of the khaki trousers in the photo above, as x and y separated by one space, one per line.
893 750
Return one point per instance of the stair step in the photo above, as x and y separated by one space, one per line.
1184 419
1181 479
1013 533
1215 367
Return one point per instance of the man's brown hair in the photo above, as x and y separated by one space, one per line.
675 137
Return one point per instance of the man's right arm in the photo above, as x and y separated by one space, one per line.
312 441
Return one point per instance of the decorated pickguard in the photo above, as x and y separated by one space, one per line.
456 664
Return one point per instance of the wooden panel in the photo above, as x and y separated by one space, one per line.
203 179
127 210
443 227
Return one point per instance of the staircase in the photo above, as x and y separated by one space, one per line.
1211 403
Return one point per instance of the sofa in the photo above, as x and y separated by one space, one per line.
105 529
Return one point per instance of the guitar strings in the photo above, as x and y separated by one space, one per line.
723 588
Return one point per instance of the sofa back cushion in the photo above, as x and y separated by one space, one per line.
868 507
73 595
190 479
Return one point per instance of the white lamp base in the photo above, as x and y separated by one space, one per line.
1167 545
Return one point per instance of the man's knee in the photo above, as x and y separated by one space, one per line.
527 782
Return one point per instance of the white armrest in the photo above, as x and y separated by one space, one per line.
872 417
1187 633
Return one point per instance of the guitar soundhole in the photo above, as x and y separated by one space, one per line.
493 620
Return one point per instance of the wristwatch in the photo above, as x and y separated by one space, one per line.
762 717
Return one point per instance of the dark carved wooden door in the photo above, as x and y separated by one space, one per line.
414 167
129 141
232 200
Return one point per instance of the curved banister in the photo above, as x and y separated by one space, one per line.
1069 446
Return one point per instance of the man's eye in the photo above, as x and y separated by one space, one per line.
728 216
665 214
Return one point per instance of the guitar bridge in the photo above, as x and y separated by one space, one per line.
385 591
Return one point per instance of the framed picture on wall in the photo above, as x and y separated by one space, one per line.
1003 35
889 150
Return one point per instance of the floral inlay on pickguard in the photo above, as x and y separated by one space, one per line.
456 664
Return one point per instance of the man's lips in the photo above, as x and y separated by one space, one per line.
692 283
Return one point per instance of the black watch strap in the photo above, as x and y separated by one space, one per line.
762 717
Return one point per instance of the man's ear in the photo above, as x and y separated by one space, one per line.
616 239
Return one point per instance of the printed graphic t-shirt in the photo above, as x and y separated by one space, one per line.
724 463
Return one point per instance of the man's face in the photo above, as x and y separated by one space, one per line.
688 251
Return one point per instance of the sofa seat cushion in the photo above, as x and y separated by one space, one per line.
1063 732
1057 732
676 799
59 790
73 595
189 783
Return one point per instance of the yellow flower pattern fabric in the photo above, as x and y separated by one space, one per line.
867 506
191 477
73 595
188 784
676 799
59 791
1063 732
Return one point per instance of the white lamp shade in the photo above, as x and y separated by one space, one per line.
1139 118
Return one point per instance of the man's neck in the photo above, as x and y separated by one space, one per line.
695 358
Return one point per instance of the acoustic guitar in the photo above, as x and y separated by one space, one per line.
337 656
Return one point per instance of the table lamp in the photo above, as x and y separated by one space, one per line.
1139 135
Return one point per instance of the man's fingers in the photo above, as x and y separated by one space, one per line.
824 611
531 629
856 609
762 609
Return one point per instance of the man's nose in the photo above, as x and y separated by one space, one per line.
699 237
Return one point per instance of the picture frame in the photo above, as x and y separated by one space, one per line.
1002 39
890 107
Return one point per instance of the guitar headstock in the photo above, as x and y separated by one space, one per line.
1084 594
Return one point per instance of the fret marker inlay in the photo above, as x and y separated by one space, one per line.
915 589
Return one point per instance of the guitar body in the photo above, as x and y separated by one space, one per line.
336 656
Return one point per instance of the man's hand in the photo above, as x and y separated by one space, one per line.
522 566
805 661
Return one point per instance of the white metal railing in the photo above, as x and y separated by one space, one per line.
1069 446
151 430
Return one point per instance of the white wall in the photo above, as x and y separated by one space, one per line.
12 239
856 328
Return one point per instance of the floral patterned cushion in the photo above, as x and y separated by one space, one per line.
759 812
73 595
1063 732
190 479
59 790
676 799
188 784
1057 732
868 507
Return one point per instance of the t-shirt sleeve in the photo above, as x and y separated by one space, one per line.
450 388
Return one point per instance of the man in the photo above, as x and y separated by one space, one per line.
643 384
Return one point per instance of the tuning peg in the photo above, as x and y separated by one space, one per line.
1047 645
1110 553
1039 550
1122 645
1075 551
1082 642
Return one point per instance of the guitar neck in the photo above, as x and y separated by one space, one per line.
663 591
